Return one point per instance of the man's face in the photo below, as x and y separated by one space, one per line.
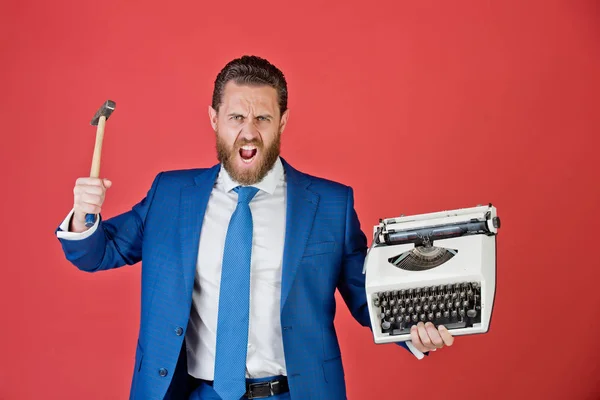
248 126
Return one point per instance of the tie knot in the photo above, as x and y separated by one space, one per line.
245 193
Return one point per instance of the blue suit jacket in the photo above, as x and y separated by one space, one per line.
324 250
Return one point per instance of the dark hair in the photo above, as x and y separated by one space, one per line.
251 70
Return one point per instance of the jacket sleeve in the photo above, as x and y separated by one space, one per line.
116 241
352 281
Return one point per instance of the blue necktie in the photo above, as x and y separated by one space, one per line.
234 301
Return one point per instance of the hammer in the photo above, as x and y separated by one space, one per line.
98 120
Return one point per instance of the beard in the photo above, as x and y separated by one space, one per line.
266 158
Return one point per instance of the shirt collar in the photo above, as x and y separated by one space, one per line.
268 184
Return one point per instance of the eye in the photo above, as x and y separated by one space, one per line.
261 118
237 117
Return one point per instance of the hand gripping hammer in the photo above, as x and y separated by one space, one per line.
99 120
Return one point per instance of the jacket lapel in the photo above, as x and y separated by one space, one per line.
300 213
194 200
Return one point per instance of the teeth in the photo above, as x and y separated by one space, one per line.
247 147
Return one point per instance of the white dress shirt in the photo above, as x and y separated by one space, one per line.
265 345
265 355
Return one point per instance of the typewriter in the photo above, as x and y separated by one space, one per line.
438 267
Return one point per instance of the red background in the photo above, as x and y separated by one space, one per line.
420 106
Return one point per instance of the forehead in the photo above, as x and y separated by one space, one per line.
249 96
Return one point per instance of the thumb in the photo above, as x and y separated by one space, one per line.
107 183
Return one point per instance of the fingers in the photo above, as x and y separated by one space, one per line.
88 195
425 337
434 336
445 335
89 181
416 340
420 338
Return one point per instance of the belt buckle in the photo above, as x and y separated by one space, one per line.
250 394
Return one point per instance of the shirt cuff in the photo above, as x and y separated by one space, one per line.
63 232
414 350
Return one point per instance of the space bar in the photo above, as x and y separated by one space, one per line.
452 325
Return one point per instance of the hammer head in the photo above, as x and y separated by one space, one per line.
107 108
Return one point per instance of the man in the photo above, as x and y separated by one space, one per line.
240 261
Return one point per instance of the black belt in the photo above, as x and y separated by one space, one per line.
260 390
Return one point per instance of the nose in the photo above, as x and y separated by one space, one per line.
249 131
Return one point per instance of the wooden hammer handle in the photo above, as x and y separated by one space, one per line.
95 171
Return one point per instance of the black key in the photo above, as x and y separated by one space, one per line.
386 326
471 313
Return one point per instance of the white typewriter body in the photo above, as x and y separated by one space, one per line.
472 259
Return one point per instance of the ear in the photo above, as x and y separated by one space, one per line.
212 115
284 119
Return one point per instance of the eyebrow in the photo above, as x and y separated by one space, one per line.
233 114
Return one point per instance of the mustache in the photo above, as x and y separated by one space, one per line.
244 142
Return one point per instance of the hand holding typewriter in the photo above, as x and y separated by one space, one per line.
426 337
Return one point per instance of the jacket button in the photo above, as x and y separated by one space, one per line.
163 372
179 331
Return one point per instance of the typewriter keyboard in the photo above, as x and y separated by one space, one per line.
455 306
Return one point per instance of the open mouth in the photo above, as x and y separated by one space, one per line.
248 153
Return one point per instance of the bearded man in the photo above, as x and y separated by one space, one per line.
241 261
